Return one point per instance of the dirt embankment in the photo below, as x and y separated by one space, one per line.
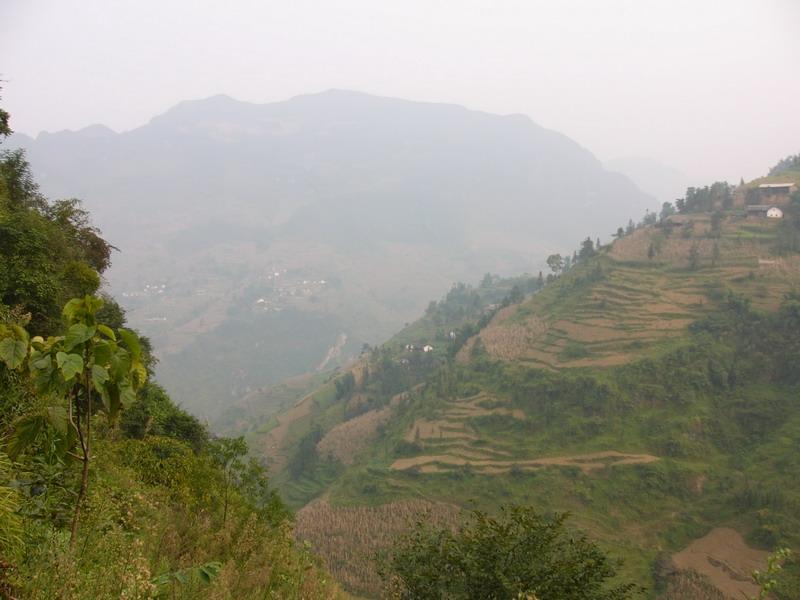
723 557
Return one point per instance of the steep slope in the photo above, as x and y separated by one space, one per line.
341 212
651 390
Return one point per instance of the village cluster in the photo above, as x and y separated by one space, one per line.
282 291
148 290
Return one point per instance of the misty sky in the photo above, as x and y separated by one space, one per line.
709 87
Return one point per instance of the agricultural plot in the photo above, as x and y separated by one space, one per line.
634 303
346 440
585 462
348 539
452 442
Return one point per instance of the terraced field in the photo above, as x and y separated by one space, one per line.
635 304
585 462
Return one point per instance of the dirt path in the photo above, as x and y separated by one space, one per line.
725 559
585 462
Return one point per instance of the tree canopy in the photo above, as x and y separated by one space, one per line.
516 554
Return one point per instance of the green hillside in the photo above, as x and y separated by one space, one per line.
651 390
108 489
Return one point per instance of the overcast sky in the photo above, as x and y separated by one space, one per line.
709 87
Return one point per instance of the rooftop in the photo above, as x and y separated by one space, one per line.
775 185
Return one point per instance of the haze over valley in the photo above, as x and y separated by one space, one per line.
454 300
282 229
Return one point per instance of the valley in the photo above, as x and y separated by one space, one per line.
639 390
387 201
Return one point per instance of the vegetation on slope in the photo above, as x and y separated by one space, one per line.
648 389
107 488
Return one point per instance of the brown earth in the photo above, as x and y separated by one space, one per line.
724 558
585 462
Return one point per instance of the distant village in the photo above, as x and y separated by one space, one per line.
283 290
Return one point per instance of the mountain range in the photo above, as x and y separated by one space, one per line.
289 234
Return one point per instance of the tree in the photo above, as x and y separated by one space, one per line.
88 369
651 251
228 454
5 129
667 210
715 255
619 234
540 281
630 228
587 249
555 262
767 581
518 554
694 257
716 223
515 296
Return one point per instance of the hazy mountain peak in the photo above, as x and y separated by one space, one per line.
96 131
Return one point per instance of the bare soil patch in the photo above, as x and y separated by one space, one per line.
585 462
724 558
441 429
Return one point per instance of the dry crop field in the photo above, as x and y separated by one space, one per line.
640 303
350 538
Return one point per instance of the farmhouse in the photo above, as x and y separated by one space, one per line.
776 193
764 211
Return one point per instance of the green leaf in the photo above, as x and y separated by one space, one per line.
139 373
103 351
13 352
70 364
41 362
132 342
71 308
77 334
20 333
209 571
127 395
120 364
26 429
107 331
57 418
99 376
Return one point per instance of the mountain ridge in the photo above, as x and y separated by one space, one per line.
390 200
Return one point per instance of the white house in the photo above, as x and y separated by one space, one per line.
764 210
774 213
427 348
